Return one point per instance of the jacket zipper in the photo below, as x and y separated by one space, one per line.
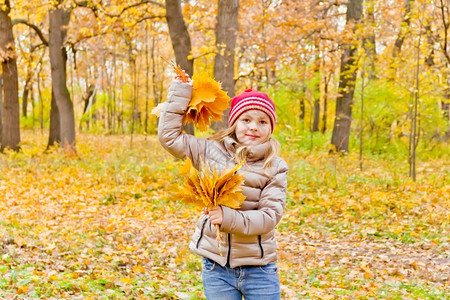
229 249
201 232
260 246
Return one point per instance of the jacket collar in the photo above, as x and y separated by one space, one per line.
255 153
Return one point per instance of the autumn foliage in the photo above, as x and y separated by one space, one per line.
207 188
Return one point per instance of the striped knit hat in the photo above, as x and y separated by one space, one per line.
252 99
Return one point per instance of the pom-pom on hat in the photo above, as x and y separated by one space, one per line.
252 99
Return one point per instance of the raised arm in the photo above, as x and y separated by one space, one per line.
170 135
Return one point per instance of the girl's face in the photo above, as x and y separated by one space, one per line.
253 128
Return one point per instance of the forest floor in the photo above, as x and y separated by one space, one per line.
102 225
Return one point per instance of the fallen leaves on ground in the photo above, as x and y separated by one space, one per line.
102 224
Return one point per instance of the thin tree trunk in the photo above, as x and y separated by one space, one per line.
361 121
11 109
33 106
114 95
302 104
301 116
445 102
121 114
325 103
26 92
138 112
133 76
1 105
315 125
369 42
415 110
156 93
39 90
263 36
344 102
147 79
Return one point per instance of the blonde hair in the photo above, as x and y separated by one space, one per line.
242 151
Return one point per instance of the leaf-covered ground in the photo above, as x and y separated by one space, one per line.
102 225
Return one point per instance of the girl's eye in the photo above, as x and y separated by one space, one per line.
246 120
263 122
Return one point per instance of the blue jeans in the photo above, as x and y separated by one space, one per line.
252 282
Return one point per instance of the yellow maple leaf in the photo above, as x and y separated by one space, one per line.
208 100
180 72
207 103
157 109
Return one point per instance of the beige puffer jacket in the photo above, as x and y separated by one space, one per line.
248 236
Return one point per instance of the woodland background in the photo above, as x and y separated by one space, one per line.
363 107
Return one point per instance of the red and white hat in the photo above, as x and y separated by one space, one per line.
252 99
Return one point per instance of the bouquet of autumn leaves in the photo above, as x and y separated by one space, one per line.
209 189
208 100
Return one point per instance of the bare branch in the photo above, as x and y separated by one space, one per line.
38 31
136 5
143 19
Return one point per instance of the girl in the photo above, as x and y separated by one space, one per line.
247 266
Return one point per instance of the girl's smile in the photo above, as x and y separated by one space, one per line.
253 127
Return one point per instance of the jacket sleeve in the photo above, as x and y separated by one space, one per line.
170 135
269 212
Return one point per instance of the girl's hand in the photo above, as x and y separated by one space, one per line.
215 215
180 78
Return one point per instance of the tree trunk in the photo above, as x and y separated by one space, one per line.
226 29
325 103
147 79
11 109
347 78
1 105
445 104
444 14
315 126
58 57
155 92
369 42
181 42
55 124
39 93
26 92
302 114
316 97
113 93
